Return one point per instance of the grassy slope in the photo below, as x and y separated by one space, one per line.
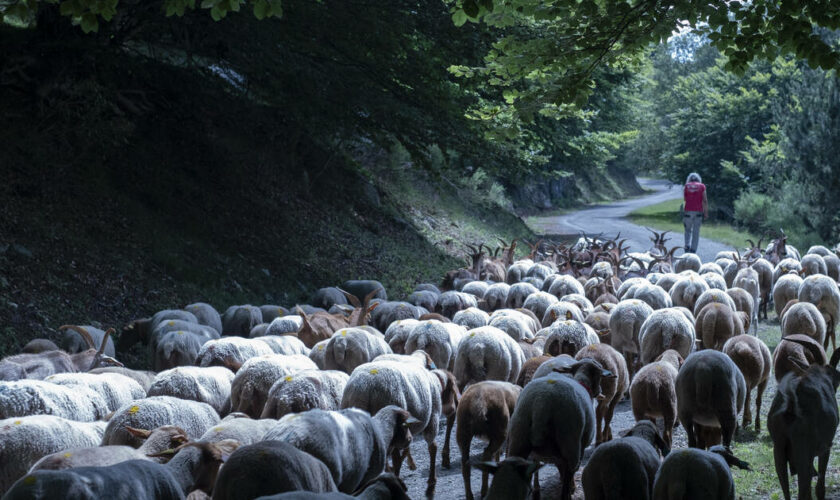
665 216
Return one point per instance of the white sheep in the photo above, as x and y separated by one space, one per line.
250 387
209 385
496 295
785 290
565 285
655 296
665 329
115 388
822 291
39 397
471 318
487 353
305 390
152 412
439 340
686 291
351 347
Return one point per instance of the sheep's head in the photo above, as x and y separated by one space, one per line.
511 477
645 429
588 373
205 470
729 458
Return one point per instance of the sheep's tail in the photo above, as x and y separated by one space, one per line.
246 397
477 371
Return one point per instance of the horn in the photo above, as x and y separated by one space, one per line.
107 335
354 301
814 348
835 357
81 331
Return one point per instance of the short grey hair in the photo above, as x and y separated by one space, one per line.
693 177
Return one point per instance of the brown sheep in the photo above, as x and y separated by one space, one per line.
484 410
804 318
653 392
319 326
752 356
612 389
805 350
600 322
716 323
529 368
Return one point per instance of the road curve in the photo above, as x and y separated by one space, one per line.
610 220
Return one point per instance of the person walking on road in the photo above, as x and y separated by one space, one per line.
696 210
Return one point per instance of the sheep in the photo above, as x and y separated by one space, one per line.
612 388
802 423
238 320
710 394
626 467
496 295
177 348
822 291
238 428
305 390
362 288
686 291
318 326
284 325
555 402
42 365
785 290
600 322
579 300
765 284
512 478
152 412
451 302
562 310
439 340
425 299
625 324
24 440
752 357
140 330
252 471
813 264
565 285
802 348
39 397
653 295
553 364
730 271
203 332
385 485
423 393
804 318
517 294
249 388
667 281
710 267
665 329
713 296
714 281
697 474
716 323
72 342
653 392
484 411
270 312
786 266
832 266
688 262
195 467
116 389
387 313
471 318
513 325
37 346
567 337
209 385
156 441
487 353
205 314
627 284
352 444
327 297
351 347
475 288
397 333
231 352
539 303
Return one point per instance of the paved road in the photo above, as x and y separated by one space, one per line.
610 219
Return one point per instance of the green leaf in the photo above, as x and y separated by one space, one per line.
276 8
261 9
89 23
459 17
471 8
216 13
206 4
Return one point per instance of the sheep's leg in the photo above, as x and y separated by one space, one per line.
747 412
822 462
397 459
599 420
759 394
804 478
464 437
608 415
430 487
450 421
535 495
780 460
493 448
567 476
407 456
728 424
687 421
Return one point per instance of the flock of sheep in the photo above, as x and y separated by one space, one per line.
532 355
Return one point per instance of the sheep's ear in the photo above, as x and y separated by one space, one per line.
568 315
533 467
489 467
223 449
166 454
607 374
140 433
411 421
799 366
661 444
563 369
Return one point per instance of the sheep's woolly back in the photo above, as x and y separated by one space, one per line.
690 471
785 290
821 291
715 280
539 302
252 382
711 267
24 440
496 295
150 413
717 323
584 304
115 388
426 299
438 340
285 344
602 270
526 319
305 390
318 353
716 296
231 349
284 324
655 296
513 326
565 285
471 318
626 322
206 315
784 267
209 385
627 285
476 288
556 363
688 262
667 281
567 337
665 329
813 264
351 347
488 353
685 292
560 312
517 294
245 430
373 386
39 397
176 348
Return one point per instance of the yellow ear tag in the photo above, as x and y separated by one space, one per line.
134 409
343 333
